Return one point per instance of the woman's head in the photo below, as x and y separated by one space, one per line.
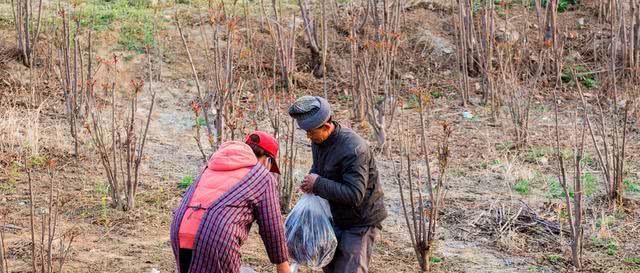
265 147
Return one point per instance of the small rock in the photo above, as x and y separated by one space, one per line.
621 104
437 44
573 57
408 76
408 250
504 36
41 211
581 21
544 160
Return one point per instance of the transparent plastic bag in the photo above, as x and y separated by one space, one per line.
309 232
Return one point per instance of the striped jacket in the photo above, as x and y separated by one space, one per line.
225 225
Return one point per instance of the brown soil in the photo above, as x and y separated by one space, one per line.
480 185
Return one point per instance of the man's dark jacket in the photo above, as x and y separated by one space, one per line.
348 179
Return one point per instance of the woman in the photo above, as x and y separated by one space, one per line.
217 211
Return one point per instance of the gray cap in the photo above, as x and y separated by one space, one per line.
310 112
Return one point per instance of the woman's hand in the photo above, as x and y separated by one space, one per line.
283 268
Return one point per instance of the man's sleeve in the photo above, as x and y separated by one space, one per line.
354 180
314 168
270 224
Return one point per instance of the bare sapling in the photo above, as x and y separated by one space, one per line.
70 72
375 68
633 47
27 24
609 132
31 216
421 219
272 108
518 95
358 98
196 108
43 258
287 161
285 45
486 47
552 42
121 152
203 104
610 142
574 205
223 85
235 113
226 83
4 265
463 22
311 33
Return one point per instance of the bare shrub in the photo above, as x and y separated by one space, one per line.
374 66
120 144
575 205
422 215
27 23
43 256
220 93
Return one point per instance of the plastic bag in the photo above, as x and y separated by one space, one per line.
309 232
246 269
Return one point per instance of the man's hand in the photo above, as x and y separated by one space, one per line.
308 182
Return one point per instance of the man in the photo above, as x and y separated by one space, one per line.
343 172
235 189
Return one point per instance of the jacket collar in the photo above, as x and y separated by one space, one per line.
333 137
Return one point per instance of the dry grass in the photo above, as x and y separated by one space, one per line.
22 132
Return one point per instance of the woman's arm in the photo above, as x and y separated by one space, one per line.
271 226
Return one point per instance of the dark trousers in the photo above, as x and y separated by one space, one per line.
185 259
353 254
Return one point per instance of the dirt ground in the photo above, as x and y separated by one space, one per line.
473 237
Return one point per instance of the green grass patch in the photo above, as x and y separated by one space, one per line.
631 185
607 221
586 77
437 94
133 19
553 258
522 186
535 154
185 182
608 245
412 102
555 190
457 172
101 188
435 259
137 35
632 260
563 5
589 185
344 98
200 121
588 160
13 172
504 146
